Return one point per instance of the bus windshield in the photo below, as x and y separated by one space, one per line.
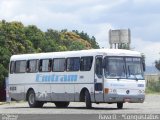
115 67
134 68
123 67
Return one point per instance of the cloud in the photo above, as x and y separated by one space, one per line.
102 34
8 8
95 17
150 49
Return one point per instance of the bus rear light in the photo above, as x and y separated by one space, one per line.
106 90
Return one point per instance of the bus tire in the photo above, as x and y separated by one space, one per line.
88 100
120 105
32 100
61 104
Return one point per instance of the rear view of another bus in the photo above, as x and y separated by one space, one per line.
124 78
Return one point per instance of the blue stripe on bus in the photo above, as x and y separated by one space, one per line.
56 78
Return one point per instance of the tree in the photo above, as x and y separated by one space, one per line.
35 35
15 38
86 37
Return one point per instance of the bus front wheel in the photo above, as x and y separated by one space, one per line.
119 105
88 100
32 100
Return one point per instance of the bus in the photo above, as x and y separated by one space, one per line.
90 76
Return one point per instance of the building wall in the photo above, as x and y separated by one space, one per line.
119 37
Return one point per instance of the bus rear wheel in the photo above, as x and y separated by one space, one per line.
119 105
61 104
32 100
88 100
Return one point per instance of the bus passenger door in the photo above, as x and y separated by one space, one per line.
98 79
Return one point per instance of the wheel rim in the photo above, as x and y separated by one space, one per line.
31 98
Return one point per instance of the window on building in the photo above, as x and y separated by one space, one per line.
86 63
59 65
73 64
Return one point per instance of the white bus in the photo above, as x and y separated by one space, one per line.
90 76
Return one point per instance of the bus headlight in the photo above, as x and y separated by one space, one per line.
113 91
141 91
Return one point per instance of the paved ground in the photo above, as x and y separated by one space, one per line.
150 106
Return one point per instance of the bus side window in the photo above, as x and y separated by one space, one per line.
86 63
20 66
12 67
73 64
59 64
45 65
32 66
99 67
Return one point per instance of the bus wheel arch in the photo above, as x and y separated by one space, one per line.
82 94
85 97
31 98
30 89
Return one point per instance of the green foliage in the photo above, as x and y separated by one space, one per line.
153 86
15 38
86 37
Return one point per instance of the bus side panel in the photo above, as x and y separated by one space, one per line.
16 91
78 89
86 80
57 92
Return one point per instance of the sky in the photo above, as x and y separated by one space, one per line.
95 17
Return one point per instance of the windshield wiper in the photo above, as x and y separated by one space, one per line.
136 77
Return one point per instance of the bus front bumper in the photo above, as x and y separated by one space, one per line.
114 98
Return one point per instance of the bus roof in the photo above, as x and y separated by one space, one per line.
65 54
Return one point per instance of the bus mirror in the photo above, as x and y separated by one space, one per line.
143 62
144 66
